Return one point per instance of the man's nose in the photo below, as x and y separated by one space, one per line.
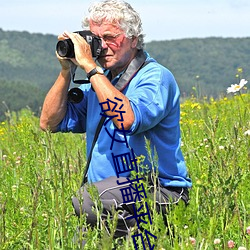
104 44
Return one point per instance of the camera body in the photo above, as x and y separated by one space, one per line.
65 48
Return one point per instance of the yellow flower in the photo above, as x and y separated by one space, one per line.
240 70
195 105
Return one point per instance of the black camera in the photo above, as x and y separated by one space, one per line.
65 48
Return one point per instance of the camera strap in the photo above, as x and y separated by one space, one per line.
136 64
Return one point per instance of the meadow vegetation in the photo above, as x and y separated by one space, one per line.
40 172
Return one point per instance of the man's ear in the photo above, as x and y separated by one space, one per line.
134 42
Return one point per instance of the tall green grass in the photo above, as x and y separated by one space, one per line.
40 172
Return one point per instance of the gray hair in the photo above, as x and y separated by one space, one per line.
120 13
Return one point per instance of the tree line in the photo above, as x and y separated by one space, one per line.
202 67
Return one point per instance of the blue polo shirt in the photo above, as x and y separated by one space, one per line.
154 97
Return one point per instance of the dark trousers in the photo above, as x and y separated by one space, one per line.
112 199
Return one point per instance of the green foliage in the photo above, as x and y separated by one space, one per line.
28 58
14 95
28 68
40 172
36 184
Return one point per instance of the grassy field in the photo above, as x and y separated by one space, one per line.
40 172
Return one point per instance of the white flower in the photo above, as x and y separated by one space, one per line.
237 87
242 248
217 241
246 133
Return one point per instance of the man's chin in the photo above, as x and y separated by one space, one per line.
105 63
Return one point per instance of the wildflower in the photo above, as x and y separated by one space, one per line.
221 147
22 210
237 87
248 230
247 133
230 244
240 70
242 248
216 241
14 188
198 182
192 240
45 216
195 106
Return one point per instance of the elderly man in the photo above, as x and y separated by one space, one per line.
139 99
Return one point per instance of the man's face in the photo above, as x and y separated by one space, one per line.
118 50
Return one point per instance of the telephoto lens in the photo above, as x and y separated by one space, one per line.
65 48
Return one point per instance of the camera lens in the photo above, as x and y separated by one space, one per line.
75 95
65 48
